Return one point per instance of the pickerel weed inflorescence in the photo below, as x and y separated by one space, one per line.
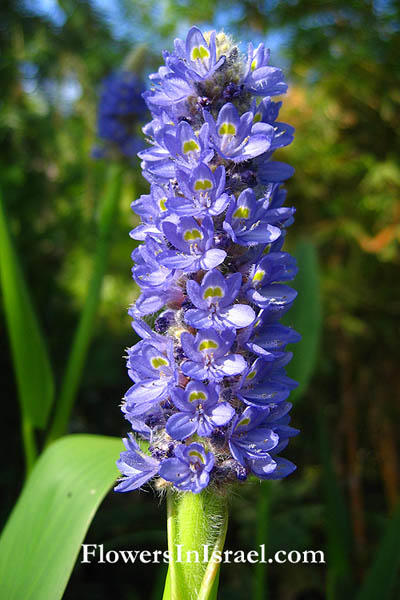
210 389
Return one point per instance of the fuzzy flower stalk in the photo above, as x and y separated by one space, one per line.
209 391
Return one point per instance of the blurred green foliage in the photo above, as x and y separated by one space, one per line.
342 60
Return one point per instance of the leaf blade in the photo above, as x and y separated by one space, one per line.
43 535
33 372
379 580
305 317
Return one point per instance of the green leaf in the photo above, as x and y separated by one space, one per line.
44 533
108 211
381 577
305 316
338 526
31 362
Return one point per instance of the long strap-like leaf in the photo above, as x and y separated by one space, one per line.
43 536
380 579
30 358
305 317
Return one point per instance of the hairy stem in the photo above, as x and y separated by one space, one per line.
197 525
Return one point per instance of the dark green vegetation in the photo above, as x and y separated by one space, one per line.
342 60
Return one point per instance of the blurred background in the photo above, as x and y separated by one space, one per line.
342 63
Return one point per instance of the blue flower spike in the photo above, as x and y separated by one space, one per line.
209 393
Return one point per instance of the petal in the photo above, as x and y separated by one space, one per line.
133 482
170 232
205 427
188 345
173 469
263 468
274 171
148 304
233 364
212 258
238 315
193 290
194 369
219 205
278 294
145 392
181 426
263 233
283 468
178 397
200 319
213 286
228 120
176 260
237 452
222 414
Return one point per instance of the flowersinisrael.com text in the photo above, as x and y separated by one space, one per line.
95 553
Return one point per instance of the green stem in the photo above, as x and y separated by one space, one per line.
197 525
211 575
30 449
263 512
77 357
171 530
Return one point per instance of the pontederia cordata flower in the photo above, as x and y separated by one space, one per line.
209 389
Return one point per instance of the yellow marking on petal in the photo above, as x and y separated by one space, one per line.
192 234
242 212
199 53
211 292
208 344
158 362
227 129
253 64
257 118
197 396
244 421
259 275
162 204
196 454
190 146
203 184
251 375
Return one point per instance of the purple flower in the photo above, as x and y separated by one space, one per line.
152 366
193 243
208 355
190 469
200 56
246 221
136 466
265 382
259 78
203 192
159 283
250 439
238 138
199 411
120 111
181 144
214 300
